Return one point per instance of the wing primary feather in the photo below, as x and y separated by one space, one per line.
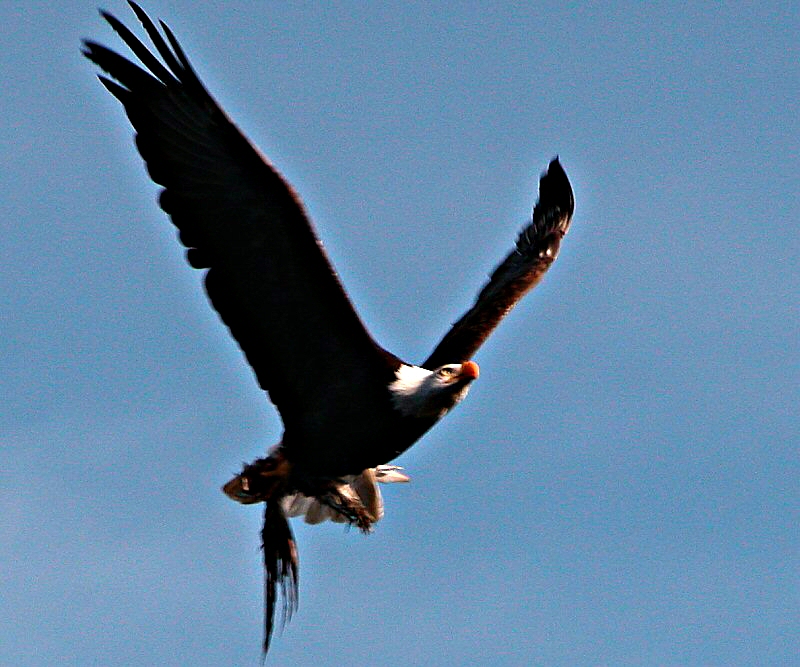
155 37
535 250
114 88
139 49
178 49
123 70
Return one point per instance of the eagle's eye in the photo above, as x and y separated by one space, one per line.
445 371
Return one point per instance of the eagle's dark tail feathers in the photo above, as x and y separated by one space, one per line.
281 565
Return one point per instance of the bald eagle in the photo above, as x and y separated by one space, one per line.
348 406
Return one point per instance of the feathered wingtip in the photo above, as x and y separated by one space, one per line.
555 181
175 71
281 569
556 203
551 219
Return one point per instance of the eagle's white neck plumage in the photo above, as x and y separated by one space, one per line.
409 379
418 392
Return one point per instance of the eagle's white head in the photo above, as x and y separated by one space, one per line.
418 392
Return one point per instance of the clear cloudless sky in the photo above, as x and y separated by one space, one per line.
621 486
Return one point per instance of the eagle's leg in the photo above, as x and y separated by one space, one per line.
343 500
260 481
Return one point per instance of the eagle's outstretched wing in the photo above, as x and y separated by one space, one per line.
536 249
268 276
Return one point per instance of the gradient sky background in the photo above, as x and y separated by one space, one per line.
621 487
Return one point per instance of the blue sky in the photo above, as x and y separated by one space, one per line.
620 488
